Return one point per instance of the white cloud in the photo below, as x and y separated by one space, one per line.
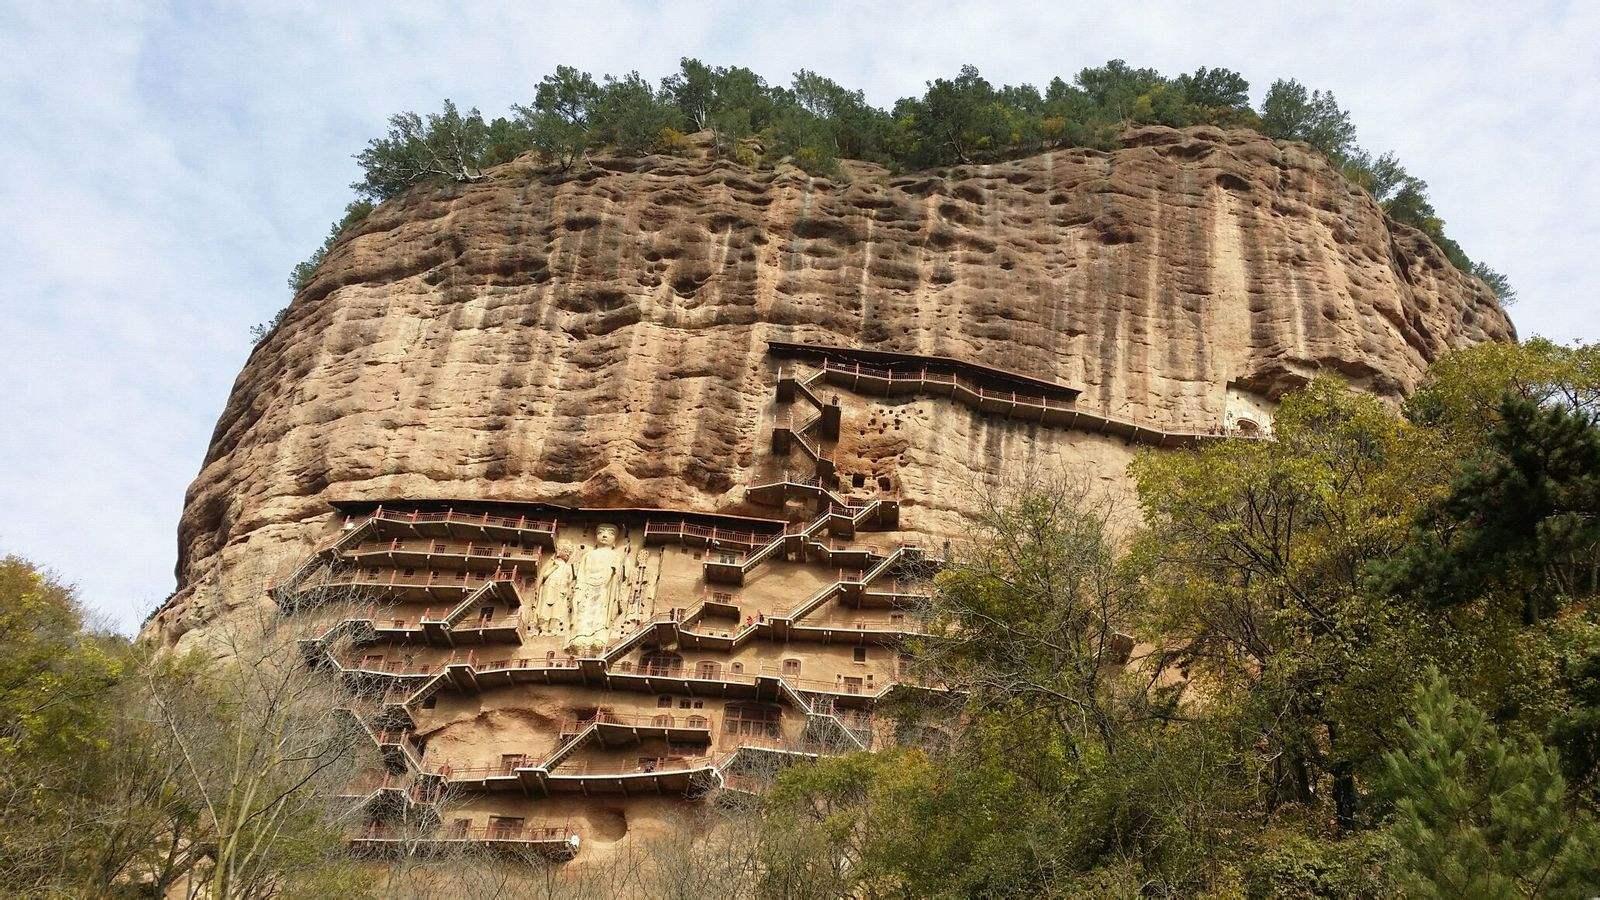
166 164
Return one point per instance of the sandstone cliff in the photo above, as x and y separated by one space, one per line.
599 339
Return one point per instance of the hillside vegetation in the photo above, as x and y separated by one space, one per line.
815 122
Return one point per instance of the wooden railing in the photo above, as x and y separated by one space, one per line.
528 832
574 726
435 547
450 516
387 666
913 380
656 766
708 533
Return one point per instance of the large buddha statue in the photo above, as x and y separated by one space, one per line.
600 577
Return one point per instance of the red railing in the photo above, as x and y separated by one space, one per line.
502 769
923 376
383 618
396 736
898 588
367 782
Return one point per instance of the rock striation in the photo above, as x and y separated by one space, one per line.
613 366
599 339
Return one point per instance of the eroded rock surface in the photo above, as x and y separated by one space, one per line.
599 340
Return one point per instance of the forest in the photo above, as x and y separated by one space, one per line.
1365 663
815 122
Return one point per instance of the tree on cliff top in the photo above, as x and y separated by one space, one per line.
444 146
1290 113
815 122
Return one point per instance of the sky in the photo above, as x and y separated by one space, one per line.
164 165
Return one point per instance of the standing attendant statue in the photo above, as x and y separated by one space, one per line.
553 609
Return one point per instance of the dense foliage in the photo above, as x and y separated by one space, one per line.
1282 728
122 775
815 122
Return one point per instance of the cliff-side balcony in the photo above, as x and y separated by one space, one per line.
690 534
891 630
794 386
1061 412
431 553
453 523
388 795
843 556
434 627
893 595
370 673
791 541
656 775
476 630
432 585
612 729
652 775
777 493
399 749
676 680
490 672
847 691
387 709
559 842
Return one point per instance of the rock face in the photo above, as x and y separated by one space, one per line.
598 350
600 341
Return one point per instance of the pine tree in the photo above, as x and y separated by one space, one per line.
1477 814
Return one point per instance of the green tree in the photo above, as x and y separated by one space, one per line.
560 121
507 139
1478 814
809 139
1290 113
1523 517
1038 615
693 91
1215 88
1575 728
1500 284
1462 396
443 146
1059 770
53 675
733 102
113 764
1260 552
1114 89
956 120
630 116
